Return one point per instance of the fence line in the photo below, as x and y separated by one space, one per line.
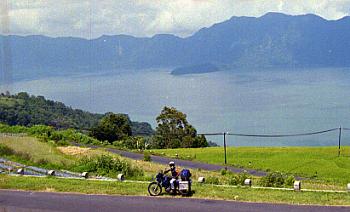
282 135
224 134
274 135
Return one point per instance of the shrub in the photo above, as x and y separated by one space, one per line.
289 181
42 138
12 129
71 135
136 142
42 161
273 179
62 143
212 180
223 171
23 155
238 179
56 136
108 165
147 156
47 133
5 150
40 130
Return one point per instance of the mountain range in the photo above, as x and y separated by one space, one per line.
272 40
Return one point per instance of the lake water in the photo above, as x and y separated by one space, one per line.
240 101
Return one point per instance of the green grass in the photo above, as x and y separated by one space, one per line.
38 151
56 159
70 185
313 162
51 184
31 151
42 150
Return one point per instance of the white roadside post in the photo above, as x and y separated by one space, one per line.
297 186
348 187
20 171
248 182
51 172
85 175
120 177
201 179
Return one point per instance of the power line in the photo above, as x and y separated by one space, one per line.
273 135
209 134
224 134
282 135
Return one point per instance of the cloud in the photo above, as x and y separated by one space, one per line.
93 18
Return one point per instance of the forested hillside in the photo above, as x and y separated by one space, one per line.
23 109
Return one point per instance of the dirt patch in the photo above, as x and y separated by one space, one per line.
74 150
47 189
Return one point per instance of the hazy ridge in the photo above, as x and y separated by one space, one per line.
273 40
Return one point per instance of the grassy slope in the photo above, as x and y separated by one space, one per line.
303 161
37 150
202 191
40 150
31 145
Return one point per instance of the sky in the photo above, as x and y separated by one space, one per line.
93 18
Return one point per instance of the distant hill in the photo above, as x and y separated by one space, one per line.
273 40
195 69
23 109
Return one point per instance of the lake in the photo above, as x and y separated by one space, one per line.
241 101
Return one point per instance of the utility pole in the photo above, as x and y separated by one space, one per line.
225 147
339 140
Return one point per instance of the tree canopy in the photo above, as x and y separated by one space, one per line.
27 110
174 131
112 127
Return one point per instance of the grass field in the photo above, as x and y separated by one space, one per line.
38 151
65 157
41 150
260 158
50 184
312 162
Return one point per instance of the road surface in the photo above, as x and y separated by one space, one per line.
25 201
178 162
185 163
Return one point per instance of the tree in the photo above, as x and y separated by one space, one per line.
174 131
112 127
28 110
23 95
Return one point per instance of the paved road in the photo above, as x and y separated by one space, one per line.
182 163
36 201
185 163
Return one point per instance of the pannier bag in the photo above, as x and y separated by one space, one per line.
185 174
